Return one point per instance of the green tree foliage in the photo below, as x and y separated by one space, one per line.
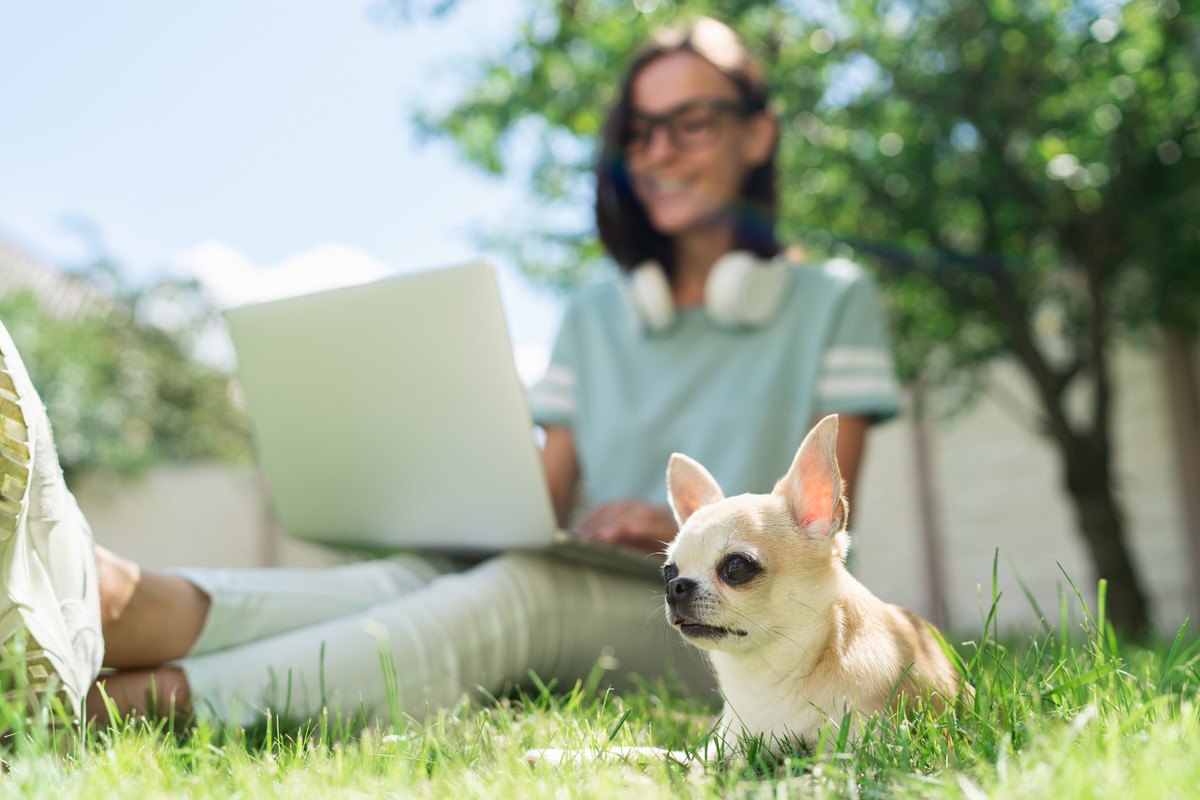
1026 175
124 392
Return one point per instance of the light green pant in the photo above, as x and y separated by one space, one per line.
411 633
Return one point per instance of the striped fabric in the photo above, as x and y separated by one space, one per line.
554 394
850 373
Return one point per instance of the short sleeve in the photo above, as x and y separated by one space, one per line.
857 374
552 400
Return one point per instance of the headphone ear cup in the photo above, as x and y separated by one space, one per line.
725 286
763 292
648 293
744 291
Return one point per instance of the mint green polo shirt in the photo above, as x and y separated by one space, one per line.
739 401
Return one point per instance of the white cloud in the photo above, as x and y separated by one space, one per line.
233 280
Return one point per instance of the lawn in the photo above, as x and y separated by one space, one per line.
1067 711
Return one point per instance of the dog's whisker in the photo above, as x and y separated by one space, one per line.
771 630
801 603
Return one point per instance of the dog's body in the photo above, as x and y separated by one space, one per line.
796 641
867 656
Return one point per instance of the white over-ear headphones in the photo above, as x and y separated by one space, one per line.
741 291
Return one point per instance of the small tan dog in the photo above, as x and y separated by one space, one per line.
760 582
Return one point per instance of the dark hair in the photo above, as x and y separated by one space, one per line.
624 227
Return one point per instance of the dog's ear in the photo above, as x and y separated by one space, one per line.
689 487
813 485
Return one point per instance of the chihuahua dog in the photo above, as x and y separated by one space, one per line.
759 581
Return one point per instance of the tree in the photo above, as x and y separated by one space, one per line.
1026 175
121 386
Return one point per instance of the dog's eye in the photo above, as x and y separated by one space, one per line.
670 572
738 569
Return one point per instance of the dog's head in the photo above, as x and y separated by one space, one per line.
749 568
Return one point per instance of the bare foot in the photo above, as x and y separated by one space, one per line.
153 693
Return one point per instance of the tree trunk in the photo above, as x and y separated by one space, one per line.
1179 360
927 509
1089 484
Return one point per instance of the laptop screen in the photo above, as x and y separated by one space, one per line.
389 416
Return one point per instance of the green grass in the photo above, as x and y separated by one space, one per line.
1068 711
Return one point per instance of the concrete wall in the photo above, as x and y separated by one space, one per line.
202 515
997 487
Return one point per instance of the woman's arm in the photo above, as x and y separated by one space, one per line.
851 443
562 470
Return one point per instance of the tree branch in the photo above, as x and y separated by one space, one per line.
944 268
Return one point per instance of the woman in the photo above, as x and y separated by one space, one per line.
708 344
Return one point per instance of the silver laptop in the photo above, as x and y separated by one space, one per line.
389 416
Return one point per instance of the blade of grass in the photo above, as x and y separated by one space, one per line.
1063 627
992 614
1089 620
950 652
1169 661
1101 608
1082 679
1042 618
843 738
616 728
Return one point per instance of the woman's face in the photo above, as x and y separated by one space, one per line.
691 145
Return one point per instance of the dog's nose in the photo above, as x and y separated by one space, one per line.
679 588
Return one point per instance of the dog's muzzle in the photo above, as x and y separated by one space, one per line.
680 593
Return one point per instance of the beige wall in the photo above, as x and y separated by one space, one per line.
198 515
997 487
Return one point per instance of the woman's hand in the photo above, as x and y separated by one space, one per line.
636 524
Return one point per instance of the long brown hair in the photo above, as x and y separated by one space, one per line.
624 227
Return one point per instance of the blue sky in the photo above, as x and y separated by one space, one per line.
263 146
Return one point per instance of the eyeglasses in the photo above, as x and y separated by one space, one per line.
689 126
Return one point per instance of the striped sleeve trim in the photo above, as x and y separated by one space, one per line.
853 372
551 403
553 397
857 358
558 377
842 387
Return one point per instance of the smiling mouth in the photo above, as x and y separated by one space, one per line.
695 630
664 187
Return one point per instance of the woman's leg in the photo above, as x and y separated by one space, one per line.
151 617
148 617
474 632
